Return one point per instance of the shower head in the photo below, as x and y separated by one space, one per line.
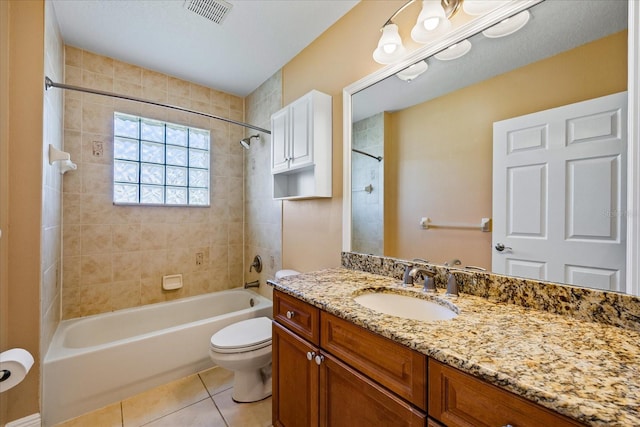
245 142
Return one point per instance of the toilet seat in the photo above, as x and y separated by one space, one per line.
246 335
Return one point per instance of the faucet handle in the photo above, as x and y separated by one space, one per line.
407 279
452 285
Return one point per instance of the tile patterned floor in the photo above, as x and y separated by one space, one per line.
200 400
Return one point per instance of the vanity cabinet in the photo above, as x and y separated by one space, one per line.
328 371
313 386
301 148
458 399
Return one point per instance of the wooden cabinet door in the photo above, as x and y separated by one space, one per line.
458 399
396 367
295 380
349 399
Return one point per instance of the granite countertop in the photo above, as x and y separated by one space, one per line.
585 370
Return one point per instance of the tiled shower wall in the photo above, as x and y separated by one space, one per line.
114 257
367 209
263 223
52 184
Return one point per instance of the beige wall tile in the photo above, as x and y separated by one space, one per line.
72 56
128 72
127 88
73 114
125 294
154 265
126 266
154 80
73 75
71 267
179 87
94 118
126 237
95 269
116 255
72 240
97 63
95 299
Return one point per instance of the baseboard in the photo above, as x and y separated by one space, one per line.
29 421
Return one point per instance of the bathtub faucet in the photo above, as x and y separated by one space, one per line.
254 284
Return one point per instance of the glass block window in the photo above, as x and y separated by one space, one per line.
159 163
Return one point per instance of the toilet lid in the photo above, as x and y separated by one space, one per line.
245 335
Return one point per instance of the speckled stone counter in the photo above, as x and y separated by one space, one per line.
586 370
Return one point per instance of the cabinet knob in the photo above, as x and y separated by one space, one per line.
290 314
508 425
319 359
310 355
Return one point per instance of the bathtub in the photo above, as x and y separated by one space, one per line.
98 360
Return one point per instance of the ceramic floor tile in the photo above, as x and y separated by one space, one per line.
109 416
217 379
201 414
163 400
257 414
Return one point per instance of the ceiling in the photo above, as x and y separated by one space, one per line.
555 26
256 39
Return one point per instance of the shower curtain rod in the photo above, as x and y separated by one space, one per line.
50 83
378 158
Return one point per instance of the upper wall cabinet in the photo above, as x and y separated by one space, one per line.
301 148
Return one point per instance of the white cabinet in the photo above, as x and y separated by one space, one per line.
301 148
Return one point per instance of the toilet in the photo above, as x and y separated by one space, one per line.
245 348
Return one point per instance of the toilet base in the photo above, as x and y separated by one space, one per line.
252 386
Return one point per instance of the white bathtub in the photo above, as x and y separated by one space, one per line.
98 360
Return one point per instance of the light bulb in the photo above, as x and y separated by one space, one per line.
431 24
390 47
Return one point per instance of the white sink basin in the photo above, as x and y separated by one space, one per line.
405 306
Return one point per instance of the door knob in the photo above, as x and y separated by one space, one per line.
501 247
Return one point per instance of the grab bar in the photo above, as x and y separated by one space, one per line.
484 226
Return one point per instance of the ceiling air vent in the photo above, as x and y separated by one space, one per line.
214 10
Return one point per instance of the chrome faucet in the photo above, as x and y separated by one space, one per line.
429 285
452 285
407 279
453 262
254 284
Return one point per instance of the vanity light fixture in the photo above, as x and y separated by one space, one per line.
454 51
390 47
432 22
508 26
412 72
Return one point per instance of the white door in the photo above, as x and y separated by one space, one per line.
559 185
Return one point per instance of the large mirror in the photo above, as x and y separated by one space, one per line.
423 179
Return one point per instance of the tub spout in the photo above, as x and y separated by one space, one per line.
254 284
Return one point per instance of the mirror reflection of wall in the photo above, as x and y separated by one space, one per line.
438 153
445 146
